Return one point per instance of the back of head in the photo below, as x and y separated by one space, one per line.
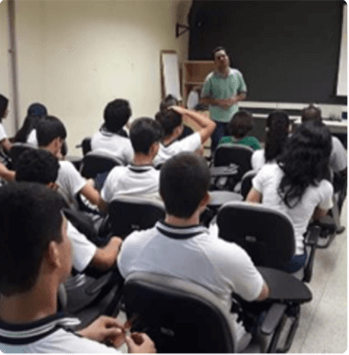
304 160
36 109
37 165
184 182
240 124
3 106
169 120
277 132
30 217
143 133
311 113
49 129
116 115
167 102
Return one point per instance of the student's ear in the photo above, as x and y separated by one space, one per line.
205 201
178 130
53 254
52 186
154 148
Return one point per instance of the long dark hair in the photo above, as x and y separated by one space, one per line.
277 133
304 161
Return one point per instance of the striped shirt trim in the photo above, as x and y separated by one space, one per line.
180 232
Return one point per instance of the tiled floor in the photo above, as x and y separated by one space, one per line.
323 324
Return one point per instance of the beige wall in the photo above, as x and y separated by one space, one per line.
76 56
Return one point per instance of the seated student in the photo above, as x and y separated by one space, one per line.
338 157
4 142
139 179
277 130
172 124
38 165
183 248
238 128
51 134
35 258
296 184
108 139
165 104
27 133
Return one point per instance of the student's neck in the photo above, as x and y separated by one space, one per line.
223 71
142 159
183 222
38 303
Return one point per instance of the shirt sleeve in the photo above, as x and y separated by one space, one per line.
326 192
70 179
108 189
206 90
338 158
242 85
3 134
189 144
82 249
258 181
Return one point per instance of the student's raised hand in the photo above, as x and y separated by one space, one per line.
104 330
140 343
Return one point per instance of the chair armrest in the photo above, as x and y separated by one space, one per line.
96 286
273 318
311 241
312 236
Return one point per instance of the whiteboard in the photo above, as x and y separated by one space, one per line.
342 71
170 72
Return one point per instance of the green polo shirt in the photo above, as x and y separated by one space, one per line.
250 141
218 87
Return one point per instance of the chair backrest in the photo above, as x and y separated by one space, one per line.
97 162
238 154
266 234
246 183
17 149
128 214
180 316
86 145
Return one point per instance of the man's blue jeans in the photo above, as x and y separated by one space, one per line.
218 133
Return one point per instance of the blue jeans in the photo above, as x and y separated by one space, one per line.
296 263
218 133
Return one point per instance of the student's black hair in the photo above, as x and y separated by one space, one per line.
169 120
29 124
217 49
184 181
30 218
276 136
3 106
240 124
304 161
37 165
144 132
37 109
116 115
167 102
311 113
49 129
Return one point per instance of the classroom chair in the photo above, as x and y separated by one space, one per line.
184 317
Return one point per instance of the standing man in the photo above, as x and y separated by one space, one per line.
222 90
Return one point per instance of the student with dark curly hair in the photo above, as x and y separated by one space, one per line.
276 136
297 185
239 127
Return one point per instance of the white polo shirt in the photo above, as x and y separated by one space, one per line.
187 144
3 133
267 182
48 335
113 144
194 254
132 180
338 157
83 250
31 139
69 179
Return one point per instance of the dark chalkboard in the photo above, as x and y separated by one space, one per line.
288 51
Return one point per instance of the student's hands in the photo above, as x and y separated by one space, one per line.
140 343
104 330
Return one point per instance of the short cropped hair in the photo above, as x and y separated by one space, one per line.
30 218
311 113
143 133
37 165
184 181
36 109
217 49
240 124
48 129
3 106
169 120
116 114
167 102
